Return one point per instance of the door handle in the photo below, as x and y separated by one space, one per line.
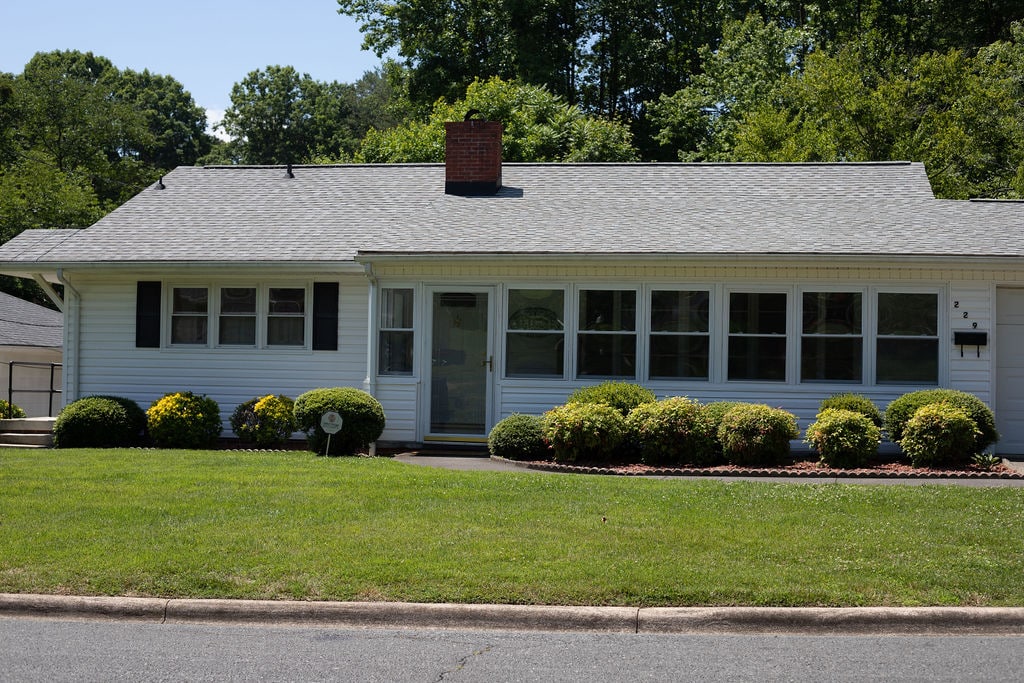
488 362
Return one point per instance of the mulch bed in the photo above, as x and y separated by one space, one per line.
805 468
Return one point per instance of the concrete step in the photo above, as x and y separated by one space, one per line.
27 432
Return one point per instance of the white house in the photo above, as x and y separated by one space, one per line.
30 356
460 294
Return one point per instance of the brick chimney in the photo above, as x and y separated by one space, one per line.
472 152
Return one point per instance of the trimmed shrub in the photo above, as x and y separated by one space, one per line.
518 437
99 422
10 410
939 435
902 409
674 431
184 420
623 396
362 419
844 438
265 421
755 434
584 431
856 403
714 412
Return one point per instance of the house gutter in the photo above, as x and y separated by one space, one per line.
369 383
72 337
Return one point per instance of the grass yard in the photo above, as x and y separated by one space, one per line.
292 525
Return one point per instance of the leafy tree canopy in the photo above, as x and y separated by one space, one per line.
539 126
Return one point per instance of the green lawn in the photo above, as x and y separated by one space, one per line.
292 525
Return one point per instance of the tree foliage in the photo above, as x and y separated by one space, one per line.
538 126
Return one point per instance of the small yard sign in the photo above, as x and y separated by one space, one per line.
331 424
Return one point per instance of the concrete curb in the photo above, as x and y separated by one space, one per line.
649 620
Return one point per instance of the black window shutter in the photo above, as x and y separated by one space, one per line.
147 315
325 316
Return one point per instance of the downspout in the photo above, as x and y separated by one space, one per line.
72 338
370 382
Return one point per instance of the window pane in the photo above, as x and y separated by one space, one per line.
190 300
396 309
534 354
536 309
607 355
239 300
238 330
188 329
288 331
395 353
287 301
832 312
757 358
751 313
910 315
908 361
608 310
679 311
679 357
835 359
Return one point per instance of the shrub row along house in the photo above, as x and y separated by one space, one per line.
461 293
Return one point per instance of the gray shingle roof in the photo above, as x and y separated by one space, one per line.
23 323
333 213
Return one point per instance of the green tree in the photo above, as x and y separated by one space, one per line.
699 122
176 125
538 126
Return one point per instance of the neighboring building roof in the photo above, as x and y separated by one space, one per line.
334 213
26 324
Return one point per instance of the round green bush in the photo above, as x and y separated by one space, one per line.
518 437
623 396
362 419
856 403
265 420
99 422
844 438
10 410
184 420
755 434
584 431
903 408
674 431
714 412
939 435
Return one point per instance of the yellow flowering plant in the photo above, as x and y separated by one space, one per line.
184 420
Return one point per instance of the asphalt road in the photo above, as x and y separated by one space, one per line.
53 650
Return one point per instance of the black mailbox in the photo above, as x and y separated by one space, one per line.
964 338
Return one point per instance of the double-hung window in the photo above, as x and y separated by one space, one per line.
286 316
831 341
606 337
535 333
907 341
679 343
395 343
757 336
237 318
190 315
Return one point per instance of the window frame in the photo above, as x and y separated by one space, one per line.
728 335
939 339
649 333
635 333
567 310
213 314
411 331
866 314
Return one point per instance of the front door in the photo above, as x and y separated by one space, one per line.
461 364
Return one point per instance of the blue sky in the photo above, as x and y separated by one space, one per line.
207 45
